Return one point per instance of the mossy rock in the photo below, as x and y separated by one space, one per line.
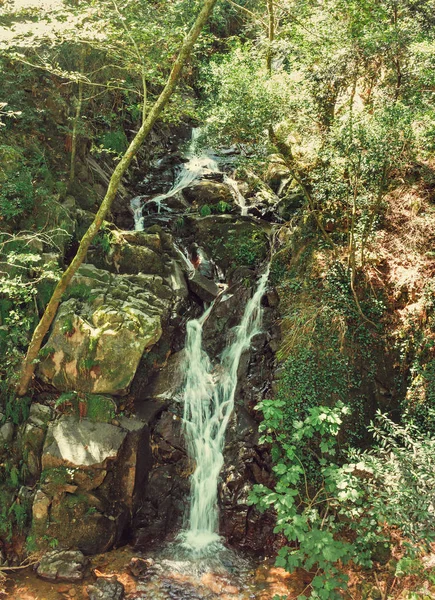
76 521
208 193
233 243
104 317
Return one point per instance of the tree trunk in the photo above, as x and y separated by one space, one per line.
43 326
77 120
271 35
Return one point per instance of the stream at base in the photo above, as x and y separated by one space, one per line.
155 576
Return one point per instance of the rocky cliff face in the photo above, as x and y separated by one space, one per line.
108 454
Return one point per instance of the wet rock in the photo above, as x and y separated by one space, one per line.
225 315
63 565
208 192
204 288
177 280
141 568
164 504
177 203
168 381
106 589
170 445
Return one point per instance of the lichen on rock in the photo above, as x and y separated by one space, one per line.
101 333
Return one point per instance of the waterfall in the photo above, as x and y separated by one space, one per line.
239 198
208 404
136 207
196 166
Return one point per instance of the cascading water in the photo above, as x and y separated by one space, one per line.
239 198
137 208
208 403
196 166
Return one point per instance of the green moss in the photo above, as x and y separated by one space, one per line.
100 408
56 476
244 249
46 352
67 326
79 291
205 210
114 141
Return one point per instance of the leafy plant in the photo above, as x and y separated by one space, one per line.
205 210
223 207
67 326
309 518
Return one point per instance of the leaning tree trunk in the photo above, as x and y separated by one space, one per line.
271 35
43 326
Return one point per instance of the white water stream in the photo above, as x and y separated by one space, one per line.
239 198
208 404
197 165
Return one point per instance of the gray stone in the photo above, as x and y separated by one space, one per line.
31 436
168 380
41 504
106 589
39 414
177 280
80 443
204 288
63 565
6 433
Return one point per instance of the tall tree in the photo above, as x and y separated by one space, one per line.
43 326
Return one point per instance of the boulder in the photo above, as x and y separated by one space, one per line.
81 443
277 174
208 192
31 436
63 565
93 476
231 243
105 317
201 286
288 205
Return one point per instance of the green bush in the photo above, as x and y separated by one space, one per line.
115 141
16 195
